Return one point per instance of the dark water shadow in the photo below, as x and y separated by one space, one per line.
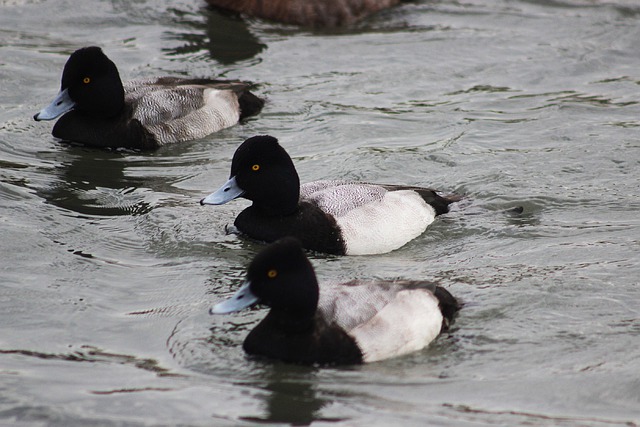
291 397
93 183
226 36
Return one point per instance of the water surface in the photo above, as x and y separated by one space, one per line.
109 264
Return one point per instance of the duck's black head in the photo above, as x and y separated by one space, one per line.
93 83
266 174
282 277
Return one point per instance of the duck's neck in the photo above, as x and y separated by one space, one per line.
113 100
281 199
292 323
276 209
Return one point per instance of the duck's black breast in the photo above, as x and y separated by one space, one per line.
316 230
120 131
315 342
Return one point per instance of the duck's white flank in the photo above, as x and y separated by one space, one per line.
354 303
386 319
407 324
373 220
178 113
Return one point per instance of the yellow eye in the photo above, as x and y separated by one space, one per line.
86 80
255 168
272 274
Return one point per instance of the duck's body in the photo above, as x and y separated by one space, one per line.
335 323
313 13
102 111
371 312
338 217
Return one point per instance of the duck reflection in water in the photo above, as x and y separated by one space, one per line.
224 35
94 183
291 396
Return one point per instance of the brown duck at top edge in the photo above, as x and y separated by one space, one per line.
311 13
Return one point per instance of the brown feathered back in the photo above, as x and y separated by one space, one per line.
313 13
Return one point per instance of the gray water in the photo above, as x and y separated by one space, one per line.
108 264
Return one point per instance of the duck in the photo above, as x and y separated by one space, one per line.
359 321
99 110
309 13
338 217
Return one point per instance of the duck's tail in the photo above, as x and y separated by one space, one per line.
250 104
449 306
439 203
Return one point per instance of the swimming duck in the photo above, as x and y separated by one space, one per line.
348 323
314 13
337 217
100 111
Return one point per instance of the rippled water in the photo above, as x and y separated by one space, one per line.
109 264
